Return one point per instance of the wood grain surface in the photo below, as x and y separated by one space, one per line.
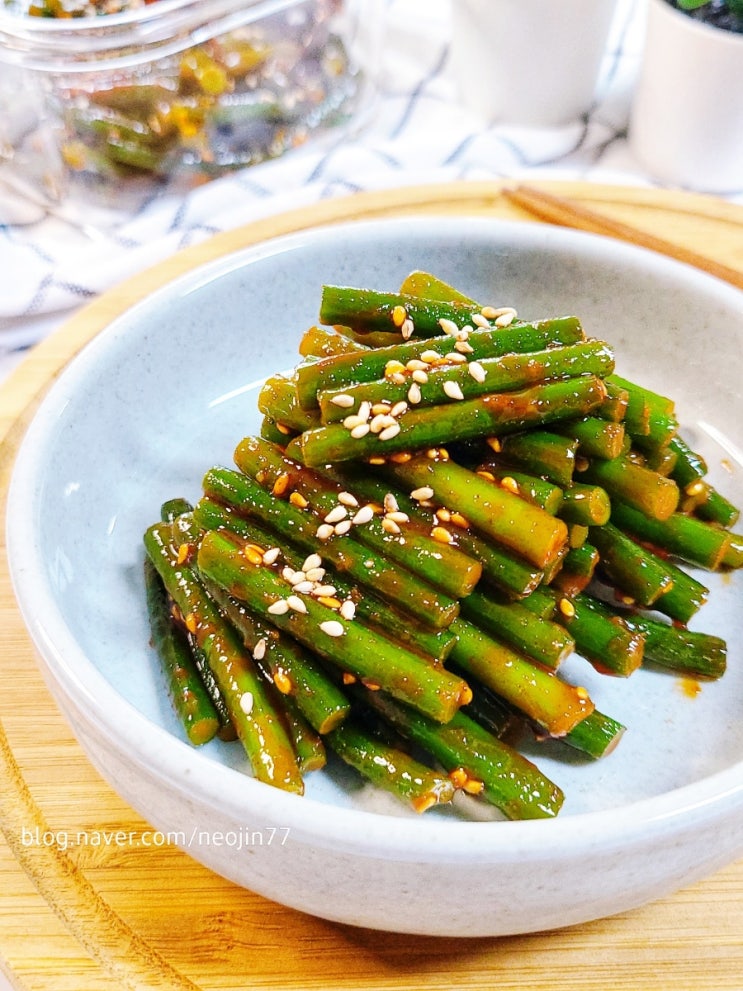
109 916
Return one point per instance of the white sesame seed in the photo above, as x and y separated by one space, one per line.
454 357
333 628
297 577
448 326
348 609
288 573
346 499
360 431
313 561
315 574
407 330
343 527
430 357
414 393
343 400
304 588
477 371
505 320
278 608
464 347
480 321
365 410
419 376
422 494
324 591
295 603
390 503
398 409
453 390
363 516
383 407
398 517
416 365
324 531
259 651
336 514
354 420
246 702
389 526
389 432
271 555
397 378
378 423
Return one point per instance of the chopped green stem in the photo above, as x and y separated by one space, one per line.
257 721
308 744
535 490
596 437
430 286
638 486
324 342
543 640
690 466
468 379
354 649
588 505
359 563
278 400
542 453
276 433
191 701
496 513
339 371
715 508
605 643
635 571
577 570
596 736
383 616
390 768
733 556
173 508
465 749
684 598
649 417
686 537
535 691
403 541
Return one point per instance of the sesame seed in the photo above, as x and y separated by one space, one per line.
509 484
398 409
348 678
414 394
489 312
389 526
259 651
566 607
397 378
348 609
480 321
324 531
416 365
464 347
377 459
453 390
430 357
458 777
324 590
419 376
494 444
454 357
288 573
282 682
477 371
296 604
246 702
486 474
383 407
401 457
283 429
363 516
443 514
281 484
422 494
365 410
461 521
252 554
373 686
473 787
271 555
330 601
397 517
343 400
505 320
389 432
315 574
378 423
343 527
392 367
354 420
333 628
407 330
390 503
441 534
298 500
184 552
304 588
310 562
278 608
191 622
346 499
336 514
448 326
399 315
360 431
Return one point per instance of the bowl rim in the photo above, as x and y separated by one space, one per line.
71 676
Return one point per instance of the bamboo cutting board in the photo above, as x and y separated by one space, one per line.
106 917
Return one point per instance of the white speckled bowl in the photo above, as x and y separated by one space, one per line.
170 387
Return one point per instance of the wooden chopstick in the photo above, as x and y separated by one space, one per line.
568 213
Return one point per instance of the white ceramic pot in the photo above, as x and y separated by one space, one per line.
686 123
533 62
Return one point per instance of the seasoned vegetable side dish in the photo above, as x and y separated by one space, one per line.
444 503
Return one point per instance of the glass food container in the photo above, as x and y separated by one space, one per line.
187 88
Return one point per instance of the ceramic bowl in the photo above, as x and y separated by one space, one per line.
169 388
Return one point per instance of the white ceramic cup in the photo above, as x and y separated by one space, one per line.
533 62
686 121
